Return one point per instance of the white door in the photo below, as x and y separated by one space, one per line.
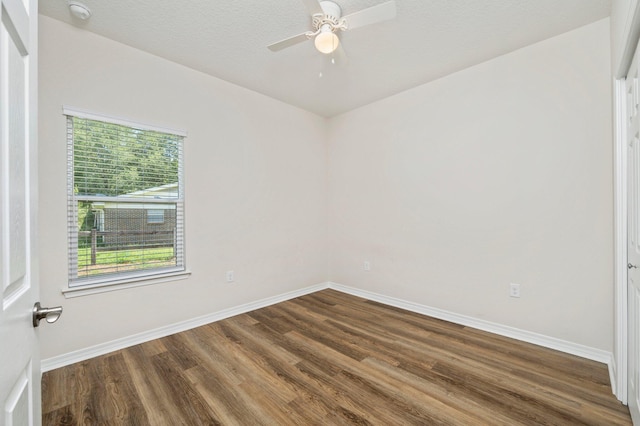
19 359
633 238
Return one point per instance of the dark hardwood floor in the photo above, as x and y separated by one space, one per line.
330 358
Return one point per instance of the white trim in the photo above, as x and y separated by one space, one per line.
77 112
526 336
619 364
114 345
122 283
619 361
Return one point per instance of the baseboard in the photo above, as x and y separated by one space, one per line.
502 330
114 345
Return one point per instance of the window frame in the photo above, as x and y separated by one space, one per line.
83 286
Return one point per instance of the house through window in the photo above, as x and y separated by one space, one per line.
125 201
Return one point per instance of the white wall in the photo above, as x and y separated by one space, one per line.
255 186
499 173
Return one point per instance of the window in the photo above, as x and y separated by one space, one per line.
155 216
125 201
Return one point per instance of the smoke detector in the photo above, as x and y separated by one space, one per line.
79 10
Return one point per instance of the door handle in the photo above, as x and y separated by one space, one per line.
630 266
50 314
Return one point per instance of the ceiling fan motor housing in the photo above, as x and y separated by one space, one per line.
331 17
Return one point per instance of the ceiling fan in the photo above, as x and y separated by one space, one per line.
327 19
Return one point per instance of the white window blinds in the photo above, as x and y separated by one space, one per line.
125 201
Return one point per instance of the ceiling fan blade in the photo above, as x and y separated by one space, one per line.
288 42
371 15
313 6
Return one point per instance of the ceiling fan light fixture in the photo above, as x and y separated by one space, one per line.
326 42
327 19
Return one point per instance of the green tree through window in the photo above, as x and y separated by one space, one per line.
112 160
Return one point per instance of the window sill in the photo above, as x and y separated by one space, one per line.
85 290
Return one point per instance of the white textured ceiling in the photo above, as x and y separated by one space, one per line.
428 39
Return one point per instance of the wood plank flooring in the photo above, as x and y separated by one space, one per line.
332 359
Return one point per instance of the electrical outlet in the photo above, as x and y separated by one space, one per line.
367 265
230 277
514 290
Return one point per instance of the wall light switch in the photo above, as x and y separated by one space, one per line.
230 277
367 265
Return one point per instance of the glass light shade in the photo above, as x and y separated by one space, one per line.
326 42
